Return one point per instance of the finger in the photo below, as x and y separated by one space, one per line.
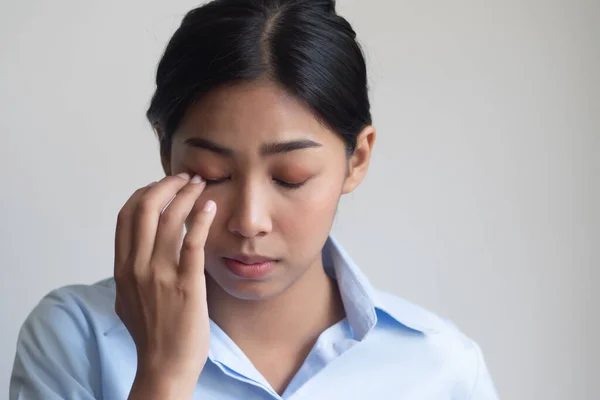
147 214
191 264
123 230
170 226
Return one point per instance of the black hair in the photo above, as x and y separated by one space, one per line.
302 45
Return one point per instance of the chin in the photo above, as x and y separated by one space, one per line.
251 290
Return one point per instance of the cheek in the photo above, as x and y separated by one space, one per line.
310 212
214 228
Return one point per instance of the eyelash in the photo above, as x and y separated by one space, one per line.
281 183
215 181
288 185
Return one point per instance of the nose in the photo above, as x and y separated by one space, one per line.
250 215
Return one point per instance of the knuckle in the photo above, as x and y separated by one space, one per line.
175 179
161 278
193 189
139 272
138 192
191 244
145 206
169 217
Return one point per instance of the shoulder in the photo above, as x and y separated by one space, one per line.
57 352
74 308
442 340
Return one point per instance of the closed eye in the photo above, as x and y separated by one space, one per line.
216 181
284 184
289 185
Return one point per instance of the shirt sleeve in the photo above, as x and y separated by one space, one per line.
483 388
56 356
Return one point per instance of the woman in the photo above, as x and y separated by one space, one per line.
262 114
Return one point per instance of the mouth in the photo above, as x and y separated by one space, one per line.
250 266
251 259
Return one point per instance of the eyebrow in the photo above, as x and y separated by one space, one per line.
199 143
265 150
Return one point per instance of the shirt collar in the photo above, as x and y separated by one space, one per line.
363 303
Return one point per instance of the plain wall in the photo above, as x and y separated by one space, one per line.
482 203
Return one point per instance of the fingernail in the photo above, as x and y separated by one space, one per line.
209 206
184 175
196 179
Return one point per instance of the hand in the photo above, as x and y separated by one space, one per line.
160 284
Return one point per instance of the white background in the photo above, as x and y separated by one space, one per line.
482 203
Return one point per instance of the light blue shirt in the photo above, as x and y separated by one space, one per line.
74 346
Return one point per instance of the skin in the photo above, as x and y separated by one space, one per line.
274 320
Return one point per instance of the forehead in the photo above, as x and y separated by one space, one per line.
252 113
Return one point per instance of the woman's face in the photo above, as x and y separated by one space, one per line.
276 175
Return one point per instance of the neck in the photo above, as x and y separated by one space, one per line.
292 320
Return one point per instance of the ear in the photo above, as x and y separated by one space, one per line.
358 163
165 153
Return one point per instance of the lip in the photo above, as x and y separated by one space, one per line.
250 267
251 259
